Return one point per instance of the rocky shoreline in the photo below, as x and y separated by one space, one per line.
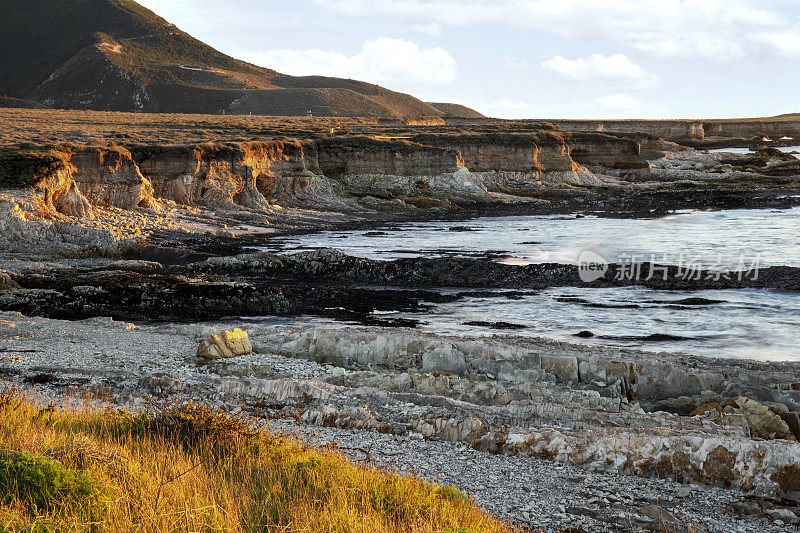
549 414
550 434
323 283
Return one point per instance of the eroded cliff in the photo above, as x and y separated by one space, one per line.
328 173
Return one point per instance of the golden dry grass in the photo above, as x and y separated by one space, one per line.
47 127
189 468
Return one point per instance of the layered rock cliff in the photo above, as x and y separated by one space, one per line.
515 163
68 181
399 172
687 131
236 175
328 173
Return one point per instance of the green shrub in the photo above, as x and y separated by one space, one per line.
451 494
43 484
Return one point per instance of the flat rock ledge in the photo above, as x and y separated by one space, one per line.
511 398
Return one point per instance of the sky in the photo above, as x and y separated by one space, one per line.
527 58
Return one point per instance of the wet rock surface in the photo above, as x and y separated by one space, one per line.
324 265
322 283
136 290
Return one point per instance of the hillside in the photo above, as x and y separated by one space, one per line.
8 102
456 110
117 55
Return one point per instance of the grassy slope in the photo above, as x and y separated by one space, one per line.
456 110
192 469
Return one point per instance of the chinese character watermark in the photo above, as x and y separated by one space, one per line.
686 267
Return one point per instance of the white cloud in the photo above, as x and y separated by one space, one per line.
513 62
784 43
618 102
432 28
505 108
385 61
597 68
713 29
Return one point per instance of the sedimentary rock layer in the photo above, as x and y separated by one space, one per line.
323 173
689 130
44 191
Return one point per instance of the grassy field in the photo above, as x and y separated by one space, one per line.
189 468
49 127
41 127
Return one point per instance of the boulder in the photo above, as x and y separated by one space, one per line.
564 367
228 343
763 422
444 359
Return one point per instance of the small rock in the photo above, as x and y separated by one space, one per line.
444 360
682 405
6 283
781 514
706 407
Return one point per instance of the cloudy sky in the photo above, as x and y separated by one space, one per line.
527 58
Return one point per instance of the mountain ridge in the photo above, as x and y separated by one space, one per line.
117 55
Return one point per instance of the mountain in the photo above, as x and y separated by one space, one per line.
117 55
7 101
456 110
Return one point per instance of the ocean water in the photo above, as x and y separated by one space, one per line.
794 150
770 237
749 324
755 324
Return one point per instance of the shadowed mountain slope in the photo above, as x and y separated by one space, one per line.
118 55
